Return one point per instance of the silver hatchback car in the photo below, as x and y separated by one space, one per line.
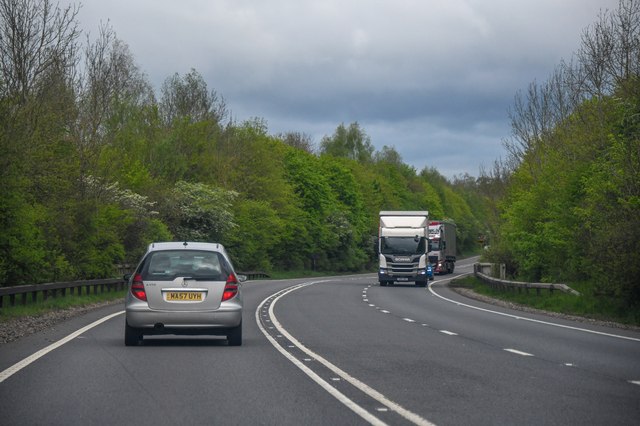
184 288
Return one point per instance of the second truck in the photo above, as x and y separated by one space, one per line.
442 246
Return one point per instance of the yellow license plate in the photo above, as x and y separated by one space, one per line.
184 296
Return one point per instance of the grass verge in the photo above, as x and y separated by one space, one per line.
586 305
41 306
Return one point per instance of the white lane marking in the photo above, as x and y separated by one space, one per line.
408 320
384 311
42 352
366 389
450 333
517 352
530 319
323 384
635 382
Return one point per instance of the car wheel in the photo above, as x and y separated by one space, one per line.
235 336
132 336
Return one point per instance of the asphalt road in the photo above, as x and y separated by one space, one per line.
338 351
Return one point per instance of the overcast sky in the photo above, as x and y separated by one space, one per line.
432 78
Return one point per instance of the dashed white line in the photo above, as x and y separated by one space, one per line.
408 320
635 382
372 393
517 352
449 333
384 311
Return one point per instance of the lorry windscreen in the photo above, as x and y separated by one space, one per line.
402 245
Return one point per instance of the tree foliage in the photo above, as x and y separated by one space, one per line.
570 207
94 167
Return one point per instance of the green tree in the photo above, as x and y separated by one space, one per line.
350 142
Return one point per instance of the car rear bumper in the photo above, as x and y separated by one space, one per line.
183 322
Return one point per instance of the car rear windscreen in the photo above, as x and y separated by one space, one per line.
199 265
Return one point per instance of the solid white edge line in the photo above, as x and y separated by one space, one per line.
520 317
42 352
372 393
323 384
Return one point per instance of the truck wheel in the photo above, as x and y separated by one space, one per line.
421 284
383 283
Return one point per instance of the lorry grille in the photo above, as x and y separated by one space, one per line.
409 268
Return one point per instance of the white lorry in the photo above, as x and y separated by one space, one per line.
403 247
442 246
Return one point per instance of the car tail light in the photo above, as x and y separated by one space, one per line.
230 288
137 288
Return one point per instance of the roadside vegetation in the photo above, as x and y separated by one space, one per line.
95 163
69 302
587 305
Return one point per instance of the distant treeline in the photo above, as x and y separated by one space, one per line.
95 165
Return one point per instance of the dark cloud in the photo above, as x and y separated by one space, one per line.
433 79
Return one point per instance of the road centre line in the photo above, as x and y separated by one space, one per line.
42 352
519 317
366 389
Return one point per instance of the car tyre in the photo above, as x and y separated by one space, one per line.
132 336
235 336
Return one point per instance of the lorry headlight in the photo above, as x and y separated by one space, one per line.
383 271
